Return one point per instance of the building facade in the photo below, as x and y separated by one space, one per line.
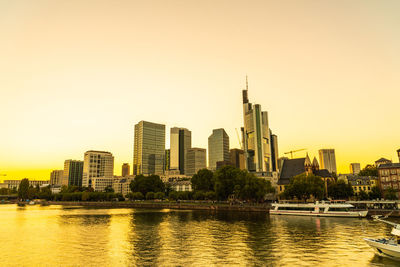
389 177
73 172
180 142
167 161
149 148
126 170
327 160
237 158
218 148
196 160
98 170
56 177
382 161
122 184
355 168
15 183
259 145
360 183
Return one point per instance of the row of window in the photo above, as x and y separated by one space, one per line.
391 171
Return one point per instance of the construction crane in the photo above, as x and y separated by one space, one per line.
293 151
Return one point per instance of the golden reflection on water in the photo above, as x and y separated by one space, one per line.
53 236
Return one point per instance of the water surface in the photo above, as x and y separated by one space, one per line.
51 236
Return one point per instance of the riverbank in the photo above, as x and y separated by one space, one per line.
165 205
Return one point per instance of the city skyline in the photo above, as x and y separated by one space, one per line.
327 76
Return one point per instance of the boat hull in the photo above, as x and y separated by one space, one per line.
384 249
352 214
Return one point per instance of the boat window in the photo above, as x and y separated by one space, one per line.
297 208
338 209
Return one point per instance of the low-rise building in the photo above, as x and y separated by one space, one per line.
360 183
389 176
182 185
173 175
122 184
15 183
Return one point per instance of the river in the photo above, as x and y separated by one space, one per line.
53 236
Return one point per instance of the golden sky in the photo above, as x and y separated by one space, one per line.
77 75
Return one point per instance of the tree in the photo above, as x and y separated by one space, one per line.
391 194
210 195
340 190
363 195
159 195
369 170
150 195
203 180
198 195
144 184
304 186
173 195
23 190
226 179
375 193
109 189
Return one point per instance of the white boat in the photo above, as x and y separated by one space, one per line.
387 247
320 209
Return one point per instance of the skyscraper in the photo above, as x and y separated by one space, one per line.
218 148
327 159
73 171
56 177
98 170
196 160
237 158
167 160
260 146
181 141
355 168
126 170
149 148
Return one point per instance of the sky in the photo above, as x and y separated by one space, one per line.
78 75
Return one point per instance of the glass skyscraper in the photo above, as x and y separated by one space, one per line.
181 141
73 170
218 148
149 148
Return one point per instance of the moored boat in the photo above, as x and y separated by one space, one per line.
386 247
320 209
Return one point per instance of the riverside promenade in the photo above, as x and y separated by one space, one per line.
167 205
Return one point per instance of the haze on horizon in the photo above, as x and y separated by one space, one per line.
77 75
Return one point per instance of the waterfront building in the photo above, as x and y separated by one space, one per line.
180 142
237 158
218 148
125 170
398 153
121 184
389 177
56 177
196 160
73 172
260 145
98 170
355 168
221 164
15 183
183 185
382 161
149 148
294 167
327 159
174 175
167 160
360 183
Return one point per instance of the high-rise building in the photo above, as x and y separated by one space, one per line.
181 141
149 148
126 170
398 154
218 148
56 177
355 168
98 170
73 172
237 158
327 159
196 160
260 146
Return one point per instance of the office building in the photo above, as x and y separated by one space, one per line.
196 160
15 183
149 148
259 144
56 177
327 159
237 158
398 153
218 148
125 170
98 170
355 168
73 172
181 141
